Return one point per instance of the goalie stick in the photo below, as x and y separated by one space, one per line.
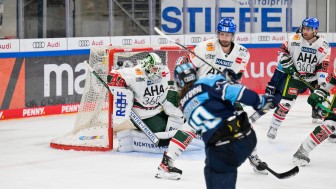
283 175
152 137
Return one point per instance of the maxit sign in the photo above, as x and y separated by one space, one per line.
269 15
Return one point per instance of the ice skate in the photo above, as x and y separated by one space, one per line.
167 170
254 161
300 157
332 138
316 117
272 133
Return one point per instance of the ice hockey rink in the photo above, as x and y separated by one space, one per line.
27 161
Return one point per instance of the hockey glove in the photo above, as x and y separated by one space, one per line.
172 94
317 96
270 89
288 65
230 75
267 102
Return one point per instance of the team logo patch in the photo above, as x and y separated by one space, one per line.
138 71
210 47
222 62
321 50
164 74
210 56
150 82
139 79
308 50
292 91
239 60
296 37
295 44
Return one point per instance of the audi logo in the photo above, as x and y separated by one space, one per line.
38 44
83 43
127 41
162 41
264 38
196 39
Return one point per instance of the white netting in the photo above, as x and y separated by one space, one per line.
91 126
91 130
93 108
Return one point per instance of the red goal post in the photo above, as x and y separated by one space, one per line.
93 129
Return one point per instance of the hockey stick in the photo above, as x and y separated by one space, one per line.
311 87
133 115
283 175
184 47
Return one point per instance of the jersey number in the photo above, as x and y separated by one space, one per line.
203 120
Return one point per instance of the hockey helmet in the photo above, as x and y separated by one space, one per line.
311 22
185 74
226 25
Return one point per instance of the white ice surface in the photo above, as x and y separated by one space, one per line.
27 161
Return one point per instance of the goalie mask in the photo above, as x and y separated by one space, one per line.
152 64
185 74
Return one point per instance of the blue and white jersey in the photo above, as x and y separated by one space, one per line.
210 101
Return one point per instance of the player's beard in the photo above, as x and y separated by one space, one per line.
307 36
225 43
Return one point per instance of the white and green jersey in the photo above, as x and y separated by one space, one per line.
211 51
310 59
147 93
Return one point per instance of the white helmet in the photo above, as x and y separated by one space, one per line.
152 64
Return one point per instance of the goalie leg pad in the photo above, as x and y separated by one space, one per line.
132 140
122 104
174 123
125 141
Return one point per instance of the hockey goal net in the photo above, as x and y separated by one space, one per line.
93 130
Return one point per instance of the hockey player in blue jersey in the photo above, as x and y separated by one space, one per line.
208 106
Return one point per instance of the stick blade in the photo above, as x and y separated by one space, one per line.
289 173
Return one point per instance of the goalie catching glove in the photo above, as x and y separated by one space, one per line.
318 96
288 65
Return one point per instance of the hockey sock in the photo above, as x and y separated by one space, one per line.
316 137
179 143
280 114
